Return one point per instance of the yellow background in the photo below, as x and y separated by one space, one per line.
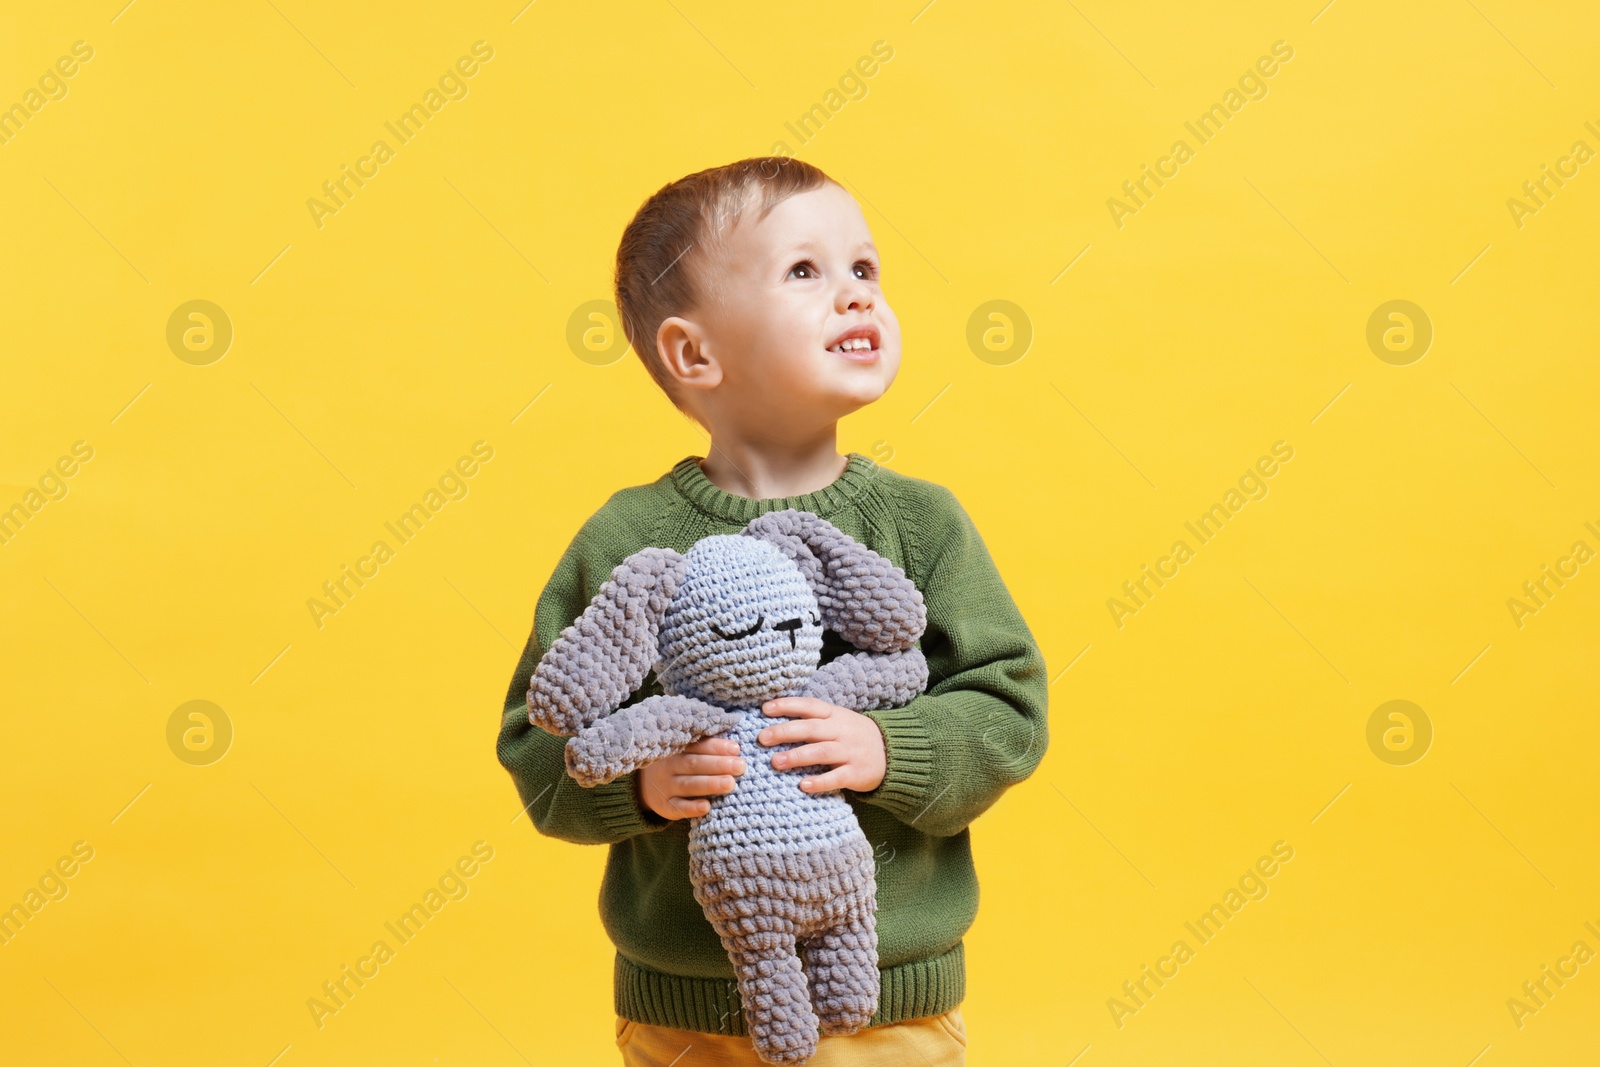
1227 314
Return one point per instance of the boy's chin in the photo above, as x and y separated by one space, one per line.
824 393
844 403
848 396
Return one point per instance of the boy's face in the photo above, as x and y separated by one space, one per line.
790 287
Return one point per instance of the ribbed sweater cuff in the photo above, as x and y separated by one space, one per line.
616 805
912 990
909 774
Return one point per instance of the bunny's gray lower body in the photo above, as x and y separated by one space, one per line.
786 876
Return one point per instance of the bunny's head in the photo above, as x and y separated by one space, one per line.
735 621
744 626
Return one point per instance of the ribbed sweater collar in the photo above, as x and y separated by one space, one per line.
691 481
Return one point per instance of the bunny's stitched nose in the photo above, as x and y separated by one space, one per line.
792 625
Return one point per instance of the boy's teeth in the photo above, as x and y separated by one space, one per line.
853 344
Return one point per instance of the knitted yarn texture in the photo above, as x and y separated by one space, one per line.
786 878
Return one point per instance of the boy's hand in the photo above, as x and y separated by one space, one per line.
673 785
844 739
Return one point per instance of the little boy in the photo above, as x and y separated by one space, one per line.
751 292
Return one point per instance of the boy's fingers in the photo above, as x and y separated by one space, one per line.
684 807
660 803
700 764
822 783
824 753
805 707
704 785
799 730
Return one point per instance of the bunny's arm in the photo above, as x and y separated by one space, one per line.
642 733
863 681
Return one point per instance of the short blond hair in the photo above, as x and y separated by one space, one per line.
667 252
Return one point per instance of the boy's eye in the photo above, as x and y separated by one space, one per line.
864 269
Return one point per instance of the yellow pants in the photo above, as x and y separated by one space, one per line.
934 1040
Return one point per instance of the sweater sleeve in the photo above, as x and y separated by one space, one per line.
980 727
558 806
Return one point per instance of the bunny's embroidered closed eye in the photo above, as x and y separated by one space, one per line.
788 624
739 634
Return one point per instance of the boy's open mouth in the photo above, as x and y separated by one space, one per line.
859 344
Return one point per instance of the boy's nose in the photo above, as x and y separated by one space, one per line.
858 299
791 625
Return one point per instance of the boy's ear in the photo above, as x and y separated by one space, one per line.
681 344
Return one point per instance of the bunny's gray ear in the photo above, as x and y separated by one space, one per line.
602 658
864 598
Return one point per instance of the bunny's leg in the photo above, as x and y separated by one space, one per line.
642 733
863 681
773 996
843 964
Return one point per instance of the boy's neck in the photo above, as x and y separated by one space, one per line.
764 470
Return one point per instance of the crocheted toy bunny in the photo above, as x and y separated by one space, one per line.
783 875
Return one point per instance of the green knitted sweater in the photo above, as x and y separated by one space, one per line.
979 728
